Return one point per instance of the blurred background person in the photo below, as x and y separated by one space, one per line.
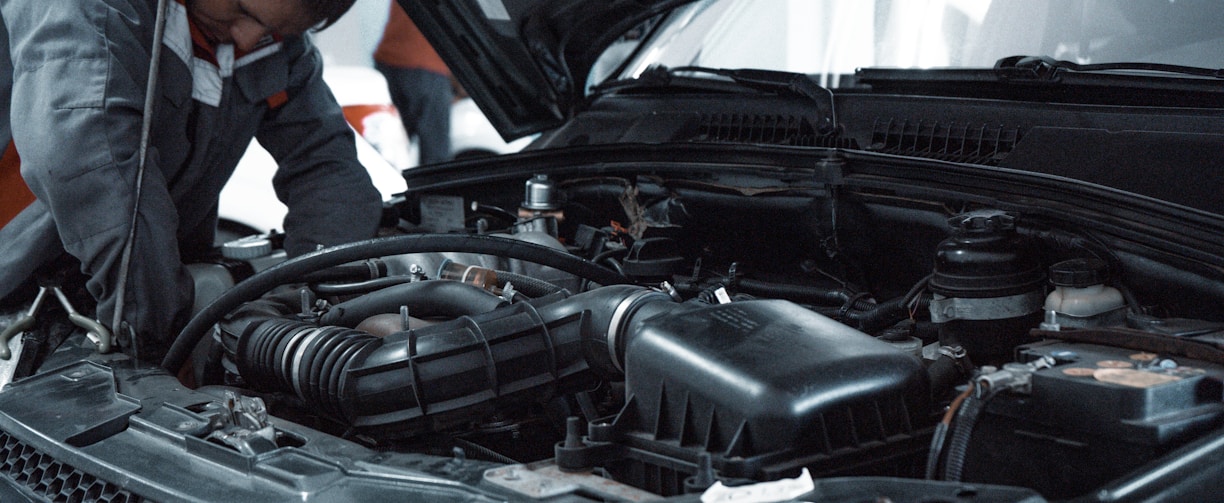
420 85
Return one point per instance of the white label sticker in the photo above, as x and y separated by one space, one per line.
494 10
442 213
763 492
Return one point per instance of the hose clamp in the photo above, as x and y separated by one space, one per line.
621 316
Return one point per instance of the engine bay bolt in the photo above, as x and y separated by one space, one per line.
570 454
417 273
1051 321
670 290
308 299
704 478
573 433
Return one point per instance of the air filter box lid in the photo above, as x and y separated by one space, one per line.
758 377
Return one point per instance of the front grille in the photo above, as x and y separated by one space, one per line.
53 480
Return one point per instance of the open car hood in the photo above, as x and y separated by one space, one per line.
524 62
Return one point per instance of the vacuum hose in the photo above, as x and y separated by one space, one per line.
423 298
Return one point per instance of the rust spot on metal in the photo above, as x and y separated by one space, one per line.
1133 378
1079 372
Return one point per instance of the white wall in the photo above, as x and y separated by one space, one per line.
352 39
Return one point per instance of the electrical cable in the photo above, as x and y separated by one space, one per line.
961 431
941 433
529 286
907 300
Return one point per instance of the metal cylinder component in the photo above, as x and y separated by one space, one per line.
540 194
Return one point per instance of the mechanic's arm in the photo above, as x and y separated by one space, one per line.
78 94
330 196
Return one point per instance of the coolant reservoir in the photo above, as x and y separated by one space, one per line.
1080 298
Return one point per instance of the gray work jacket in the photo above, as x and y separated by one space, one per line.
72 85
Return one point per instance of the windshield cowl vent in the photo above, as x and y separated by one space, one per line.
759 129
952 141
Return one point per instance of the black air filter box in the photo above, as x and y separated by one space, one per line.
765 387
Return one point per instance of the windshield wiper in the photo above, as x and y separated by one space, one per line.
776 82
1045 68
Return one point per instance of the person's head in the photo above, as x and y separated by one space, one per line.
244 22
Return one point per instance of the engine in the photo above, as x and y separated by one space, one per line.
762 387
700 337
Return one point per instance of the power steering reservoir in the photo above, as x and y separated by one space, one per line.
988 286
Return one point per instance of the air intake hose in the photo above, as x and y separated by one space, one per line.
449 370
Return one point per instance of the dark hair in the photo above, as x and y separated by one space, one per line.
327 12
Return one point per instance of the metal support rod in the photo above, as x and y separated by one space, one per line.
125 263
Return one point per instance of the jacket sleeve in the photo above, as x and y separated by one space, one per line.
77 99
330 196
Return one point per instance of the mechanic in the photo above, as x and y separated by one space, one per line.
420 85
73 75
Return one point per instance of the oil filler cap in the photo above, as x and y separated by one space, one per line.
983 221
247 248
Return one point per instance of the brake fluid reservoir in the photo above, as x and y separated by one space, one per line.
1080 298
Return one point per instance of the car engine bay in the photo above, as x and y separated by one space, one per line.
631 333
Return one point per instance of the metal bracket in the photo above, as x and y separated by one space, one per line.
945 309
22 324
98 334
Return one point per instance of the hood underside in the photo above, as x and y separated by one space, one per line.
524 62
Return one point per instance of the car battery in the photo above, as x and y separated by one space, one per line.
1095 414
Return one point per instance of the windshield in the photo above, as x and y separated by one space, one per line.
829 39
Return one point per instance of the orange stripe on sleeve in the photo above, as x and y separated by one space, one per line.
14 194
278 99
